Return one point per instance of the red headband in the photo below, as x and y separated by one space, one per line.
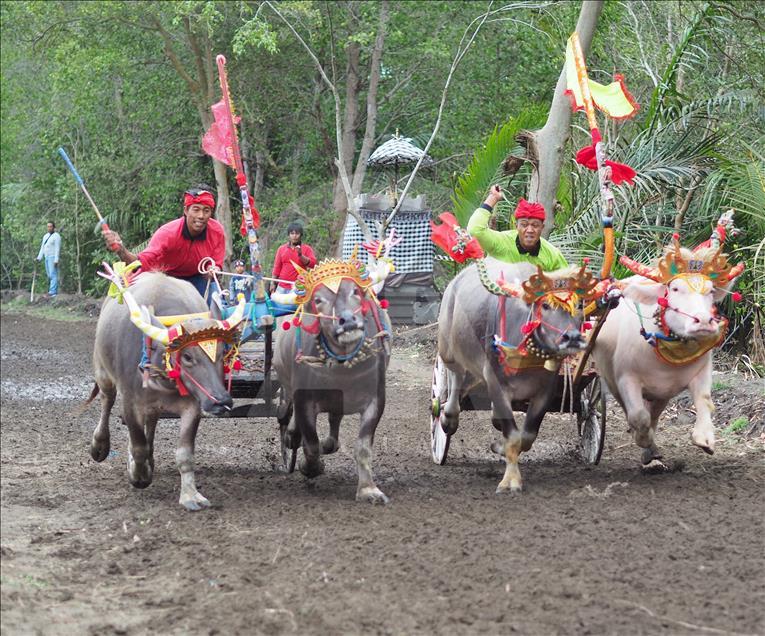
203 198
526 210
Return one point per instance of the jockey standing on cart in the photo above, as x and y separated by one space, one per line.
177 247
525 243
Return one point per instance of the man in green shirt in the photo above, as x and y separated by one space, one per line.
525 243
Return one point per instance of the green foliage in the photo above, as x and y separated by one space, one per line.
737 425
485 168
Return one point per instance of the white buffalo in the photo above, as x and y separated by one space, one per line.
659 340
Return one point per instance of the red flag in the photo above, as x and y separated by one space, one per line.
455 241
219 139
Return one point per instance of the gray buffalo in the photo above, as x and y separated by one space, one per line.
482 337
659 341
192 348
334 363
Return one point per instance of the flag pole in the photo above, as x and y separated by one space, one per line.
241 180
604 172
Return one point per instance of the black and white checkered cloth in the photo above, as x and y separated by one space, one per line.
413 254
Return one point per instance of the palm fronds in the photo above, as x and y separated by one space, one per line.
485 167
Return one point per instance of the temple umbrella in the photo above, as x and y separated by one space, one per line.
397 151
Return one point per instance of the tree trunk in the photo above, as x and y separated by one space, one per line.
546 147
374 82
350 123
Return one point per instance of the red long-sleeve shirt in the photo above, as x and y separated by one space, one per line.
173 251
283 267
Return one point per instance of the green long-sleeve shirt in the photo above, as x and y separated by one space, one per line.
503 245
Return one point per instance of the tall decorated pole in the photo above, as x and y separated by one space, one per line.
220 141
241 180
616 102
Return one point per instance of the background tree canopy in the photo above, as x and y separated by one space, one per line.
126 87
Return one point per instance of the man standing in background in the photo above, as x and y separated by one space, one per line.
50 250
293 252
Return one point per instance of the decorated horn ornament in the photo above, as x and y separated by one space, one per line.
234 319
158 334
674 263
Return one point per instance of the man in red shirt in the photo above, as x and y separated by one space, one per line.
177 247
292 251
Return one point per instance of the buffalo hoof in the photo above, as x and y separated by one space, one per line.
450 423
140 475
704 442
311 469
194 502
649 455
371 494
99 450
512 489
329 446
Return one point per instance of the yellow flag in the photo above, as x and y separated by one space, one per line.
614 100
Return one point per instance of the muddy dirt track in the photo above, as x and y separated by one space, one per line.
603 550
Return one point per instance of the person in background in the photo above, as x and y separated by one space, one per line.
293 251
524 243
177 247
240 284
50 251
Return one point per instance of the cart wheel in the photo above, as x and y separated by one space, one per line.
439 440
592 422
289 455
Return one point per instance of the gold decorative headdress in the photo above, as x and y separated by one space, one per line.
674 263
330 273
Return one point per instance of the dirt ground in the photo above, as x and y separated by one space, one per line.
601 550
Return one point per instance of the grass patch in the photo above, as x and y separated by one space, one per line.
720 385
737 425
48 310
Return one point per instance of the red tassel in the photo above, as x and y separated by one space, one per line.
620 172
174 373
226 369
286 325
663 302
676 236
384 303
295 322
527 328
586 326
237 365
737 297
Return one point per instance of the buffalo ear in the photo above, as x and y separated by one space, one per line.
720 293
643 291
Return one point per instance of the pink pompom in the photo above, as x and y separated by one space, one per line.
663 302
296 322
737 297
237 366
384 303
226 369
586 326
676 236
286 325
527 328
586 260
174 374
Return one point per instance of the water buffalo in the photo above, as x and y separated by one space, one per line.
480 334
658 341
194 350
334 363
